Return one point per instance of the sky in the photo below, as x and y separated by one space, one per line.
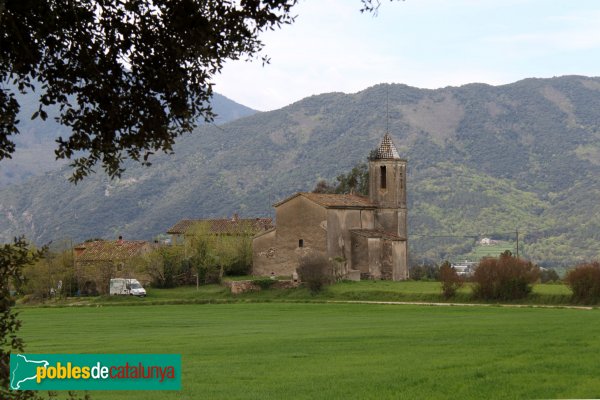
332 47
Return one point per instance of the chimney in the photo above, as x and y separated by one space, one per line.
78 250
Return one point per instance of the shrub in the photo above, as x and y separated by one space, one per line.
504 278
450 280
316 271
584 281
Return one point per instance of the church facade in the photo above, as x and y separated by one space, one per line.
366 236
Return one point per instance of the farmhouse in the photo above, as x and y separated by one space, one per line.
233 226
366 235
96 262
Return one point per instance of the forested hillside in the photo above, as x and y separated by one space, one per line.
483 161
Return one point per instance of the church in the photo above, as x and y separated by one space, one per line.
365 235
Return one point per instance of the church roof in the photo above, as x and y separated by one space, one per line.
333 200
386 149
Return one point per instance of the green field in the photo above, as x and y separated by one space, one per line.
493 250
308 351
546 294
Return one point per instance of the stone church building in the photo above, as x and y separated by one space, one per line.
366 235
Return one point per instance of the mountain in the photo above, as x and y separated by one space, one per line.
483 161
36 141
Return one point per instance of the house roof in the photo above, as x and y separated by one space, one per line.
110 250
328 200
233 225
387 150
375 233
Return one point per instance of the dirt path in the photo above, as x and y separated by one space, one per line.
420 303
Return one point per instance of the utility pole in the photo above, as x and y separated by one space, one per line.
517 231
72 268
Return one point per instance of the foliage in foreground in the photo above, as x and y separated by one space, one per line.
504 278
13 257
584 281
142 68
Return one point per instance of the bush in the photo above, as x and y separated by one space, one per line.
451 281
316 271
584 281
504 278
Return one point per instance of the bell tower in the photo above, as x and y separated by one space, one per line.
387 188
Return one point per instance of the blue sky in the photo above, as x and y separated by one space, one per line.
423 43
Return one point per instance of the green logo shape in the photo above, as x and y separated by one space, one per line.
95 371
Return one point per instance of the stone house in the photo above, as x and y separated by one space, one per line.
233 226
367 235
98 261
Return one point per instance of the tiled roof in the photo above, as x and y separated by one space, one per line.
374 233
334 200
110 250
386 149
224 226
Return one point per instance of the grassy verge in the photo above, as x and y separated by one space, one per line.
543 294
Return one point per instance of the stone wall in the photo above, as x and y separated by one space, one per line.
301 229
339 224
264 250
238 287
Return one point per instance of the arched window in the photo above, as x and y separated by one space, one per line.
383 176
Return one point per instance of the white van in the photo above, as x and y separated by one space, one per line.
122 286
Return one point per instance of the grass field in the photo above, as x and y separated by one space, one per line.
549 294
493 250
339 351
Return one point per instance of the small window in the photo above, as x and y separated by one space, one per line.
401 178
301 243
383 175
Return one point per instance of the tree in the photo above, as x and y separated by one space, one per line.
450 280
128 76
51 276
13 257
504 278
584 282
215 254
355 181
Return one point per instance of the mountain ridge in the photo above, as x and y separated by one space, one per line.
483 160
35 143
